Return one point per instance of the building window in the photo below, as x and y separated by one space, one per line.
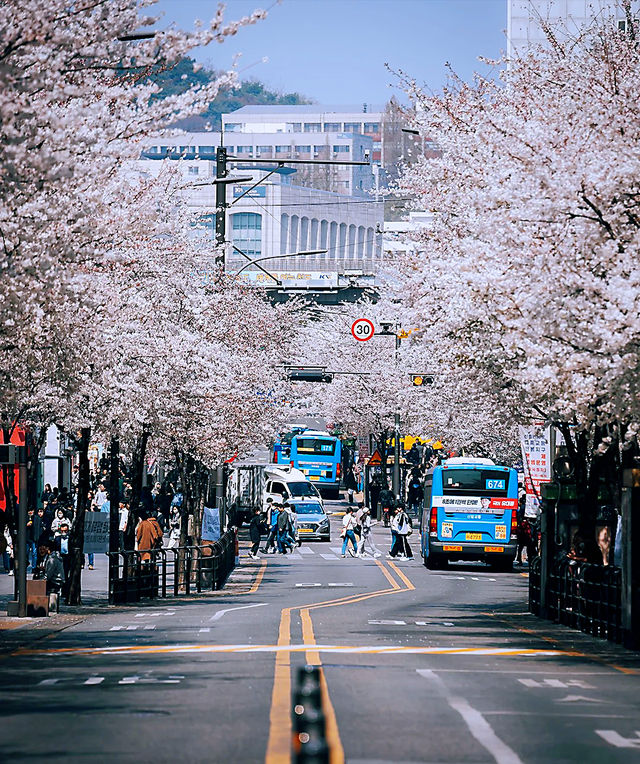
193 170
372 127
304 149
208 149
233 126
352 127
283 149
318 149
265 149
294 127
247 233
332 127
244 150
342 149
312 127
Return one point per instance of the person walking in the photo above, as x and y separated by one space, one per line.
405 529
348 534
272 523
285 541
255 533
414 492
366 538
350 484
148 536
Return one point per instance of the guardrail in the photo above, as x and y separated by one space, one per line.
582 596
135 574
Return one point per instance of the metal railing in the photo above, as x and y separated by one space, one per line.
138 574
582 596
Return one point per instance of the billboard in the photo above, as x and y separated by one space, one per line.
292 279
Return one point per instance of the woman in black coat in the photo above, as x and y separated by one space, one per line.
256 527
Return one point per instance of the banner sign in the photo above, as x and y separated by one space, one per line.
475 503
259 192
96 532
211 524
292 279
536 461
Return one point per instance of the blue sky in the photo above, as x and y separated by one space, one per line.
334 51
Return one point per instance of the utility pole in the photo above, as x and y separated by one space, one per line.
114 513
221 202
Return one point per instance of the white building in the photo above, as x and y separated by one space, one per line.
278 216
524 18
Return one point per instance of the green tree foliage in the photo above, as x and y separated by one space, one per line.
183 75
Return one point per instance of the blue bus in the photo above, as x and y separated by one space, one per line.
319 456
469 513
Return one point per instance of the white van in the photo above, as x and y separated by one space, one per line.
283 483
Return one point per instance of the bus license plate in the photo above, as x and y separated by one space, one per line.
474 537
451 548
314 477
494 549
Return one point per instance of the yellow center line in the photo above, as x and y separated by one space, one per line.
401 575
280 730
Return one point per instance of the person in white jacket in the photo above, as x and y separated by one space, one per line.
366 539
348 525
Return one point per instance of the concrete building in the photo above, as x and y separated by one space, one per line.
524 18
278 216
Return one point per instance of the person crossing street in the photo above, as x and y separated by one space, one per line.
348 534
366 538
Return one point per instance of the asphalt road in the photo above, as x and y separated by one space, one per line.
420 666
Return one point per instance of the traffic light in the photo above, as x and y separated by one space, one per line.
420 380
309 374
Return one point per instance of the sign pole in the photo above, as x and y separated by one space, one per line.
21 559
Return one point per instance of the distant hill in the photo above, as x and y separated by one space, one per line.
249 92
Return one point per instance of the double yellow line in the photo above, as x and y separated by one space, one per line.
280 728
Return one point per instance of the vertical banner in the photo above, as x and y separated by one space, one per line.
536 461
211 524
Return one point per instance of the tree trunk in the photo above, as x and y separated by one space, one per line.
76 535
138 471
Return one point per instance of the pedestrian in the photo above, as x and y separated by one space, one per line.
405 529
61 545
47 493
387 501
148 536
99 498
123 523
173 541
273 510
59 520
285 541
348 535
32 540
6 546
52 568
366 537
256 528
350 484
524 536
414 492
375 486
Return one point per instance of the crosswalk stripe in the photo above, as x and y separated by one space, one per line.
329 556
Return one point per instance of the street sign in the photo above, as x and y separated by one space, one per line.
362 329
375 458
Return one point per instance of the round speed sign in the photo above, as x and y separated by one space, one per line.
362 329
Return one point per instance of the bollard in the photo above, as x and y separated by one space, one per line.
309 745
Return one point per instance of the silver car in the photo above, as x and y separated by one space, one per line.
313 522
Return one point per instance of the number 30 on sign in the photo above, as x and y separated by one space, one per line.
362 329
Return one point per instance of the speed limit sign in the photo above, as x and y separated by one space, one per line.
362 329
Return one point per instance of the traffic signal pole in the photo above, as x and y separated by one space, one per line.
221 203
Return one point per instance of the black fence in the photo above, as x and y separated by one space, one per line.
580 595
134 575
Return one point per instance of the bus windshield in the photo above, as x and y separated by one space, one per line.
315 446
476 482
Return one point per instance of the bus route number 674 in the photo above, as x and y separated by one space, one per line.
362 329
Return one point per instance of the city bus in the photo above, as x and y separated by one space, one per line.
469 513
319 456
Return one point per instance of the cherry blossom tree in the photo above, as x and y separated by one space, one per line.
531 264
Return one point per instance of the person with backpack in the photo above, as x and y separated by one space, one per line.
284 535
348 533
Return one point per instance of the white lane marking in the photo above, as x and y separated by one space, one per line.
155 614
306 586
328 557
387 623
129 680
339 584
557 683
204 631
421 623
580 699
131 628
478 726
614 738
300 648
218 615
305 550
149 627
49 682
95 680
116 628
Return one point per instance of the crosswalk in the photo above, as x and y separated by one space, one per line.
307 552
